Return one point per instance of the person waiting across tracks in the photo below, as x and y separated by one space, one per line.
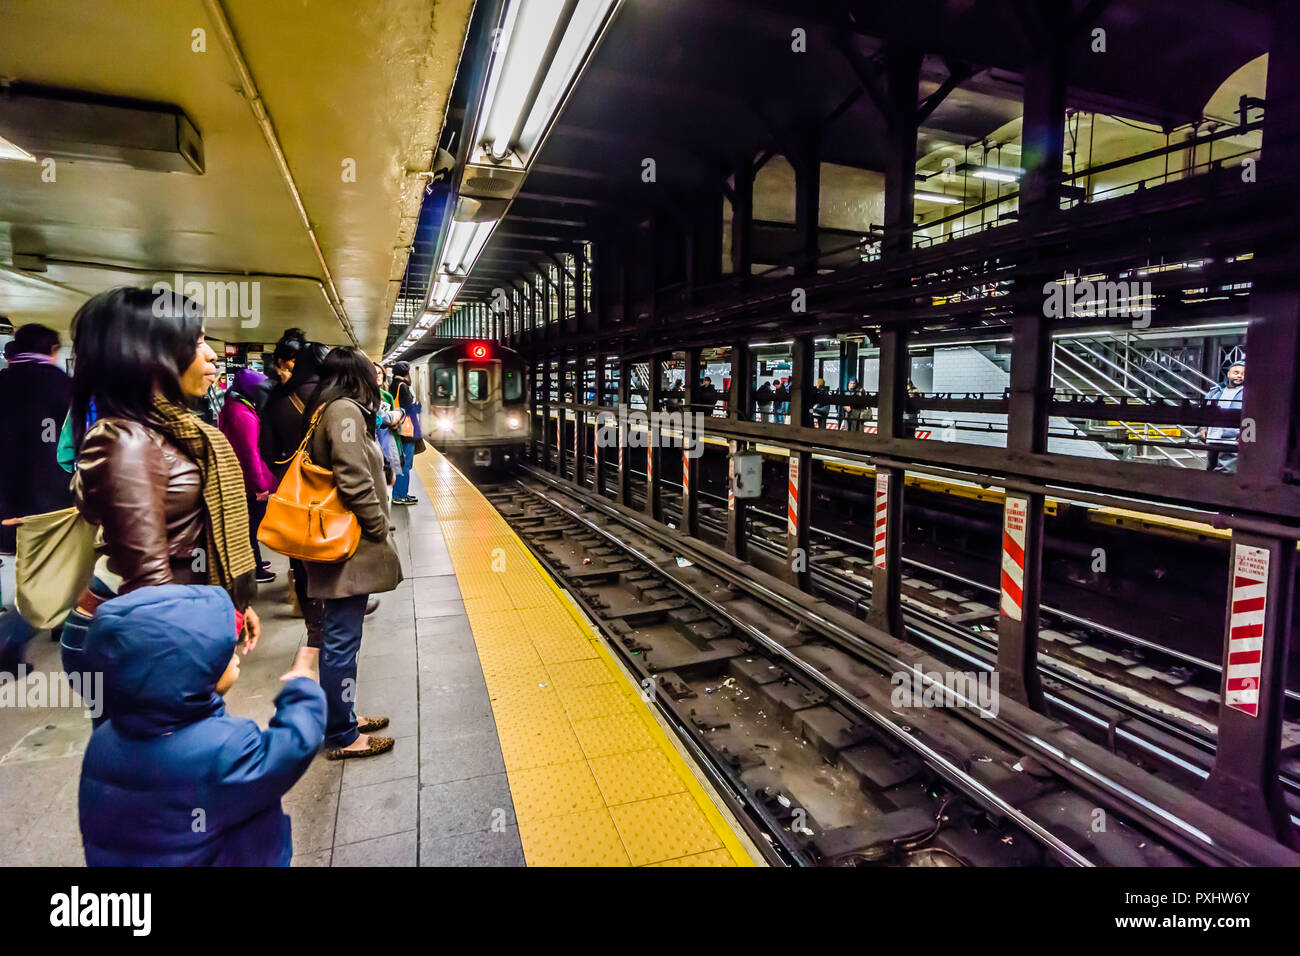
405 398
342 438
1222 453
169 778
164 488
240 423
34 397
821 410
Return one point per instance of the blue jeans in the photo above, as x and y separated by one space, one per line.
15 635
340 642
403 483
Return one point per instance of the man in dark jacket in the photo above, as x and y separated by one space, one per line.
34 398
169 779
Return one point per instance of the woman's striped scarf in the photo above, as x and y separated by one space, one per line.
230 555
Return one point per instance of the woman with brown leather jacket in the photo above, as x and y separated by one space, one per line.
164 488
341 437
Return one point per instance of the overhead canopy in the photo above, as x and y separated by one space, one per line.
355 93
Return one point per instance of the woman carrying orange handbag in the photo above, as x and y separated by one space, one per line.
343 441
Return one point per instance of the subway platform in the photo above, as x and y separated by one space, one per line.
520 739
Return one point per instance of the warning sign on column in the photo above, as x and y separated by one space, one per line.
1013 556
1246 628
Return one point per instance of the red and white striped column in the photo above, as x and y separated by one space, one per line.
886 609
1014 523
798 501
1246 617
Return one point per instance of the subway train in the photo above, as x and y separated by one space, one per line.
473 399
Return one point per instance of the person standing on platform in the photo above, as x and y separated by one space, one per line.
286 351
164 488
169 756
1222 453
240 424
405 399
282 428
343 414
34 398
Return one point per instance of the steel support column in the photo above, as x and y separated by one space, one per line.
624 406
742 219
598 463
653 460
798 556
737 410
546 416
1022 522
1244 779
690 438
807 201
886 611
580 425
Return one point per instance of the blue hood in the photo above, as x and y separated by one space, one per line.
161 651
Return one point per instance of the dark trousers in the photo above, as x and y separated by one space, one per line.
341 640
312 608
256 512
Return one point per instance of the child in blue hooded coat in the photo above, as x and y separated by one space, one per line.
169 779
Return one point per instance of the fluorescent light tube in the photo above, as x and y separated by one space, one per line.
937 197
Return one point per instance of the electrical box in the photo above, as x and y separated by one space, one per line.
747 474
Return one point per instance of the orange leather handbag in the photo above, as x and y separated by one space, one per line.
304 517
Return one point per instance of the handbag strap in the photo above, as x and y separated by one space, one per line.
311 427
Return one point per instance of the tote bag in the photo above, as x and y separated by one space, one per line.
56 557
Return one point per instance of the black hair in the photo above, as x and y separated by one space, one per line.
307 364
35 338
10 349
290 343
131 342
347 372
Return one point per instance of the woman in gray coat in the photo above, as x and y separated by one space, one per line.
343 440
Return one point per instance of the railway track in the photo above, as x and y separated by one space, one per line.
797 717
1157 705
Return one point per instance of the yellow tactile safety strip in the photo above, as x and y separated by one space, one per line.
594 778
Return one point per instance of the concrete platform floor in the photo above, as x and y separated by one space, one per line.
441 798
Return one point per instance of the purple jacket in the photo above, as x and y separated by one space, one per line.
240 424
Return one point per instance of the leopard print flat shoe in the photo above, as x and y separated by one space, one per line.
368 725
375 746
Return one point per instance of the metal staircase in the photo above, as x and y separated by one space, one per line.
1108 364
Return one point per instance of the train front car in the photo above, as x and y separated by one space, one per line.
473 400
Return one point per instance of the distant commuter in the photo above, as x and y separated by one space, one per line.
240 424
852 416
820 410
781 400
164 488
283 427
347 401
763 397
1222 453
405 398
169 778
34 398
286 351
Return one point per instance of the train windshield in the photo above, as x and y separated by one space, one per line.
476 384
512 385
444 385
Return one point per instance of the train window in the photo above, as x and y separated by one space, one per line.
444 385
476 384
512 385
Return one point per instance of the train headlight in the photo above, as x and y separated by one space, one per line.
444 424
512 421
